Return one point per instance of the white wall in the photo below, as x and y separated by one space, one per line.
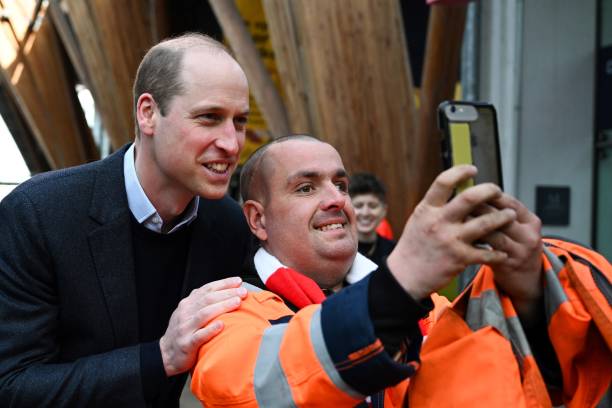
544 91
13 169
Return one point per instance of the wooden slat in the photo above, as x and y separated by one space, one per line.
260 82
62 25
283 35
440 74
40 83
359 86
113 37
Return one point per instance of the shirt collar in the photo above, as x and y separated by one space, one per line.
141 207
266 264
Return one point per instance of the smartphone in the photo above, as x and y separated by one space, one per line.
470 136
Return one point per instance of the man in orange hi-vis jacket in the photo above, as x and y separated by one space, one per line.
287 345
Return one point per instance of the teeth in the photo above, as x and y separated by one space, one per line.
218 167
331 227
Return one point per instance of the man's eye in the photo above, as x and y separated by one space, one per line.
307 188
342 186
210 117
240 124
241 121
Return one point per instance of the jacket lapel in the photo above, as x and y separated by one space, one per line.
111 248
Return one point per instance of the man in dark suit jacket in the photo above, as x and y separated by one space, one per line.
95 259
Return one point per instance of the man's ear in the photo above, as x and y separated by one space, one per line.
146 114
254 213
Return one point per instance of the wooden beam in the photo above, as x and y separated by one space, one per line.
440 76
357 83
113 37
62 25
261 85
38 77
284 37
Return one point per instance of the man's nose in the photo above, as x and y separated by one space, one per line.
334 198
229 138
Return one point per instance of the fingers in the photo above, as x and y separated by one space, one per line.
202 306
471 201
475 255
206 333
203 299
522 235
507 201
444 185
208 313
190 326
226 283
214 292
486 224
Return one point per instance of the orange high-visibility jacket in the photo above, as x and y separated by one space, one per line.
325 355
477 354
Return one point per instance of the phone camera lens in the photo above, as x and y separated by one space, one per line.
453 109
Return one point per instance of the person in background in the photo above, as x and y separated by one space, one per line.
368 196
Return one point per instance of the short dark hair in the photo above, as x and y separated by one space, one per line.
367 183
251 179
159 72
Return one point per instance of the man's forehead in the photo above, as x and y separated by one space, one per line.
206 60
316 173
301 147
306 158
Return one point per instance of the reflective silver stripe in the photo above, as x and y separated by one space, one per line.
251 288
271 386
486 310
554 260
554 295
318 343
517 336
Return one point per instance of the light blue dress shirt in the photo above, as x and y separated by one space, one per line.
140 206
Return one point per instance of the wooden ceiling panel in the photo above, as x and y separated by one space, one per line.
353 64
113 36
38 79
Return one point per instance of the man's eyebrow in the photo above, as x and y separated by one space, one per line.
215 108
311 174
305 174
341 173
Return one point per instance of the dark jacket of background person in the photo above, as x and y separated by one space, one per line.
68 305
378 250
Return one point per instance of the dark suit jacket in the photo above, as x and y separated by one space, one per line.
68 305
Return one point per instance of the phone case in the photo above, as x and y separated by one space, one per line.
470 136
